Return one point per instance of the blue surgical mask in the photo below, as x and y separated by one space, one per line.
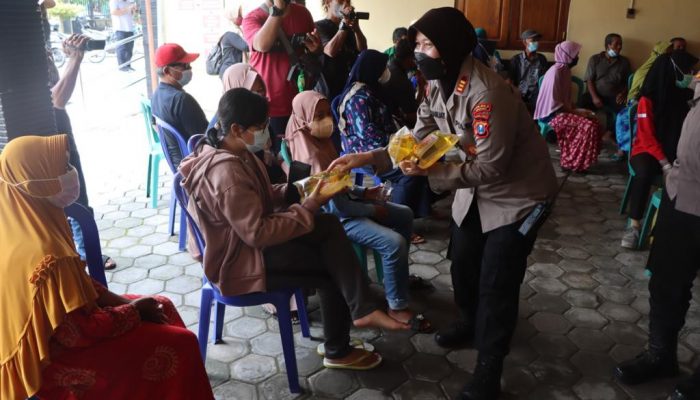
533 46
612 53
685 82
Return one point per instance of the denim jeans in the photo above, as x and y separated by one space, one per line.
77 237
124 51
391 239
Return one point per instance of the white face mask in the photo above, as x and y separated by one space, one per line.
260 139
70 188
186 77
385 77
322 129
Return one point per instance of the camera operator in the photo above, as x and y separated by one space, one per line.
269 57
342 40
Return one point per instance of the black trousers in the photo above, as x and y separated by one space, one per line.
674 261
646 170
278 127
609 103
324 260
124 51
487 270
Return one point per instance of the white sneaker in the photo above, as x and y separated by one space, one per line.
630 239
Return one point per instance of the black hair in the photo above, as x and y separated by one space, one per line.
404 50
237 106
610 37
398 33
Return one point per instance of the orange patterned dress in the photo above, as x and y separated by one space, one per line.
110 353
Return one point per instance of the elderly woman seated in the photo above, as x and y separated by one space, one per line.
63 335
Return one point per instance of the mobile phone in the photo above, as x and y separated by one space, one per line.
297 171
93 44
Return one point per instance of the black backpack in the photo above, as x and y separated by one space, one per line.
215 58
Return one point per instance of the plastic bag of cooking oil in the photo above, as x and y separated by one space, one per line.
434 146
401 146
334 182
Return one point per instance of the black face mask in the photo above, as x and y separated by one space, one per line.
573 62
431 68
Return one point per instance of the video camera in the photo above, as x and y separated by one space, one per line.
355 15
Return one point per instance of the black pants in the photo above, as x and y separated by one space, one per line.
610 105
124 51
324 260
646 170
487 270
674 261
278 127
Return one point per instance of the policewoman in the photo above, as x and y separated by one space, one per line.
505 174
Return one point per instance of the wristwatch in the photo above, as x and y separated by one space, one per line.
276 12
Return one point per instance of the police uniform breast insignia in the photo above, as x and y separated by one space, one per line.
462 84
482 114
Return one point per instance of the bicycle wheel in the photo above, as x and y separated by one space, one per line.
58 57
97 56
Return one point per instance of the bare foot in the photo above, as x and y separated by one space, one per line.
401 315
379 319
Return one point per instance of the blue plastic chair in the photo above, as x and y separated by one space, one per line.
193 142
544 127
654 204
91 236
633 132
162 127
279 298
155 153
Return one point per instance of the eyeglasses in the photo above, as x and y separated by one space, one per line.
184 66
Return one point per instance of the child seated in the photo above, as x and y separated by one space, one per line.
367 218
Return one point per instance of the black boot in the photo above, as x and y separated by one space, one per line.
459 334
486 382
688 389
659 361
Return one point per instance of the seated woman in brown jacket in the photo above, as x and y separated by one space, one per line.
257 242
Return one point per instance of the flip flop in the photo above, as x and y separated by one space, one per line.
417 239
108 260
367 361
294 314
418 323
354 342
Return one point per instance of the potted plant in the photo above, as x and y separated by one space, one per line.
65 13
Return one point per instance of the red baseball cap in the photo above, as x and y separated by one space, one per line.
171 53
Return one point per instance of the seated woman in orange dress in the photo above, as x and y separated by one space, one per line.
62 334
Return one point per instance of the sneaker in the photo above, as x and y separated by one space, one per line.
631 238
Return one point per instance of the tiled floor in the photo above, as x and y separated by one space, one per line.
584 306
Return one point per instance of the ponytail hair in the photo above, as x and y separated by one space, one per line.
237 106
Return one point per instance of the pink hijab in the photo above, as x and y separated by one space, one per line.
556 84
319 153
239 75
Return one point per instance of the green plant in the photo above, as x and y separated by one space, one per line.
65 11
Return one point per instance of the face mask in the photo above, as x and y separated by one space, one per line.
322 129
612 53
260 139
533 46
338 10
385 77
70 188
573 62
685 82
186 77
431 68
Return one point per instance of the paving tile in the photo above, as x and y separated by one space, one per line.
610 278
518 381
368 394
333 383
425 343
576 280
111 233
231 349
546 270
595 389
140 231
235 391
155 239
127 223
454 383
619 312
425 257
415 390
277 388
581 298
166 249
181 259
217 372
585 318
604 262
552 393
387 377
146 287
547 286
464 359
183 284
590 339
545 256
393 347
553 345
149 261
616 294
245 327
573 253
549 370
624 333
308 361
136 251
253 368
165 272
633 259
427 367
129 275
426 272
550 323
267 344
592 364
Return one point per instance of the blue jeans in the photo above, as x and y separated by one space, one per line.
77 237
391 240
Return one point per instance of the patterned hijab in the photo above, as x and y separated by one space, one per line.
319 153
43 278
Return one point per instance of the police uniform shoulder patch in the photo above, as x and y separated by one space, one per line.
481 115
482 129
462 84
482 111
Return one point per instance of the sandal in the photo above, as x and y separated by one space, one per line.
272 312
417 239
108 263
367 360
415 282
354 342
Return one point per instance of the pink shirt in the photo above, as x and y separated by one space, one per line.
274 66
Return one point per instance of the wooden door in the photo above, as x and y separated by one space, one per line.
492 15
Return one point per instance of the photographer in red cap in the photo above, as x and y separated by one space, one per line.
170 102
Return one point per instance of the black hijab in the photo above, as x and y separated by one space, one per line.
669 101
452 34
